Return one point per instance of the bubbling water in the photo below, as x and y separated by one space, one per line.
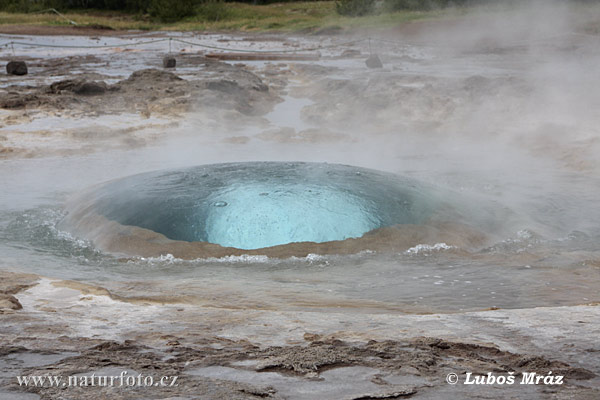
262 204
255 215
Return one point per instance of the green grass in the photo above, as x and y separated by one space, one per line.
297 16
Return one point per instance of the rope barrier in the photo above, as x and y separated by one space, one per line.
269 51
296 50
206 46
66 46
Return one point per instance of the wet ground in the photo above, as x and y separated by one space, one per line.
505 121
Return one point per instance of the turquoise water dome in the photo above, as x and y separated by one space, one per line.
254 215
262 204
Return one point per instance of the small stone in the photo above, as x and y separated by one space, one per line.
16 68
9 302
374 61
169 62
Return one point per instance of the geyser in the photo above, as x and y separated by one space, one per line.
262 204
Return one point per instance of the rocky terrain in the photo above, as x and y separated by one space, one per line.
230 353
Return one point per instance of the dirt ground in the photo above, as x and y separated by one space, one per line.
388 368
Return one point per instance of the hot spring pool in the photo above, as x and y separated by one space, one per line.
255 205
431 263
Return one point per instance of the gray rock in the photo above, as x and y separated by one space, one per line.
169 62
78 86
374 61
16 68
9 302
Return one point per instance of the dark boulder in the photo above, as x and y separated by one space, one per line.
169 62
374 61
16 68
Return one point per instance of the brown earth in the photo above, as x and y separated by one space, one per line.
425 359
149 91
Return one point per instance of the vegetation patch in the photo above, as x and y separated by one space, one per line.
261 15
